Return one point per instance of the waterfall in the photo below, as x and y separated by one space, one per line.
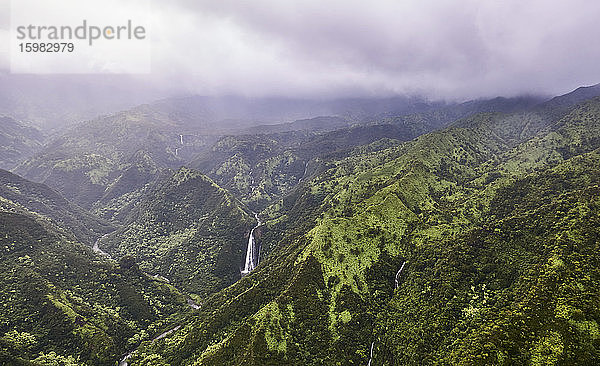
181 139
193 304
252 257
96 247
371 356
397 274
176 149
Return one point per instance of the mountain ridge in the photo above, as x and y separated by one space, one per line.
316 289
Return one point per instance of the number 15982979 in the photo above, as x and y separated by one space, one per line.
47 47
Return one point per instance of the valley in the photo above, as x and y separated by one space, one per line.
413 233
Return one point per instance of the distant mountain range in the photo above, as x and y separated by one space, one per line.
17 142
88 158
391 232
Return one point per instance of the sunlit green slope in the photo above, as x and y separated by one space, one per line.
494 222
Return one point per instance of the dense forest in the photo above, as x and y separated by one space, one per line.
440 233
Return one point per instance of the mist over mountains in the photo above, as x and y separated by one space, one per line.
395 230
301 183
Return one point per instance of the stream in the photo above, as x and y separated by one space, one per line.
124 361
252 260
398 274
191 303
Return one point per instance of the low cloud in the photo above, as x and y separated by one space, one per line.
441 49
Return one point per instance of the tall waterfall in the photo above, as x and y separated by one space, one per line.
252 255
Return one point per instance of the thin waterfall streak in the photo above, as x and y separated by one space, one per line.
249 265
371 355
397 274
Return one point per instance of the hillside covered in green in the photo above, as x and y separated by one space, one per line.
262 168
459 234
475 244
63 304
90 161
20 195
17 142
188 230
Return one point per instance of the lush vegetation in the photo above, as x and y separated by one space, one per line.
20 195
186 229
472 244
17 142
262 168
119 153
61 303
494 222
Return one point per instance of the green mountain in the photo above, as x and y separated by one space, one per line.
17 142
224 115
429 120
107 163
86 162
135 178
316 124
261 168
63 304
471 245
187 229
403 232
22 196
270 160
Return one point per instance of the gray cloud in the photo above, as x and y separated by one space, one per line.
442 49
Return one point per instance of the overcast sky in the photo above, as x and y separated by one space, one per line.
457 49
